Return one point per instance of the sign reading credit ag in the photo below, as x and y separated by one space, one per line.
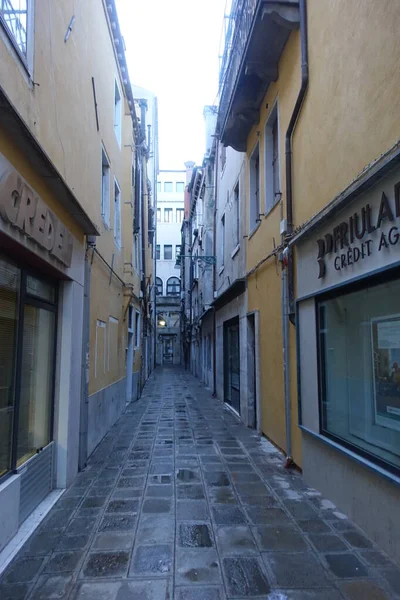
352 240
24 210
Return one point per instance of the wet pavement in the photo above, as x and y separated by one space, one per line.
181 502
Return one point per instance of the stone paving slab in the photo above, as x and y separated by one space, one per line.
181 502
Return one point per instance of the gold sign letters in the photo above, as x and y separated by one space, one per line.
26 211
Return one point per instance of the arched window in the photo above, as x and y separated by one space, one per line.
173 286
159 286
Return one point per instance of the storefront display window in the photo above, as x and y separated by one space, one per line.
27 362
359 353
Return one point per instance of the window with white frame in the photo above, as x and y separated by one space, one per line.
158 215
179 215
173 286
16 17
167 215
254 189
236 230
105 188
168 186
272 185
117 113
167 252
180 186
158 186
137 329
159 286
117 214
158 252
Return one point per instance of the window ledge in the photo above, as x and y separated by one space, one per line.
269 210
235 251
354 456
253 231
221 270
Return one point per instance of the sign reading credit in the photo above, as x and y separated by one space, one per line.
361 234
24 210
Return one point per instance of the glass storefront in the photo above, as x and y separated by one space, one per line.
27 362
359 355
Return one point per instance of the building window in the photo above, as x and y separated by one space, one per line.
168 186
158 215
177 251
159 286
223 240
158 252
117 113
117 214
254 189
105 188
222 156
236 209
27 356
173 286
167 215
137 329
180 187
359 359
272 187
15 16
168 252
158 186
179 214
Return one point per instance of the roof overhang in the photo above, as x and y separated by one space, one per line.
17 129
251 72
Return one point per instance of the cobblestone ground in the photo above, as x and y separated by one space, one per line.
181 502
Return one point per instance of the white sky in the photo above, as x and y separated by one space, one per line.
172 49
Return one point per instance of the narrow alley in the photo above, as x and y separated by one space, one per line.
181 501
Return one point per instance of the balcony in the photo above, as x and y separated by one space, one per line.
256 36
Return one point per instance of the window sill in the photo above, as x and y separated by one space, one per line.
254 231
106 225
269 210
221 270
354 456
235 251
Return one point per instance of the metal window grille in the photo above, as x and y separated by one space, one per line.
14 13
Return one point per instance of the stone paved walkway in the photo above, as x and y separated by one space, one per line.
181 502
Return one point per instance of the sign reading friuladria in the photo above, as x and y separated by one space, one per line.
25 211
356 238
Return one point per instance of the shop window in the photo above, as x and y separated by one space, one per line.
254 189
173 286
167 215
359 357
168 186
179 215
27 355
272 186
167 252
16 17
159 286
105 188
117 113
117 215
180 187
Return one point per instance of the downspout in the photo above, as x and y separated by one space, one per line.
84 408
214 287
287 263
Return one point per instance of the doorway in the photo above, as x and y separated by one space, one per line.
168 351
251 371
232 364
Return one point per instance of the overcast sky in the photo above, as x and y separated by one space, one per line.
172 49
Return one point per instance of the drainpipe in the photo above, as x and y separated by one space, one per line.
83 423
214 287
287 263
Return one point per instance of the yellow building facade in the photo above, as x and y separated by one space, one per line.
314 105
73 234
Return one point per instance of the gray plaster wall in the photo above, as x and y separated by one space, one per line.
105 408
364 496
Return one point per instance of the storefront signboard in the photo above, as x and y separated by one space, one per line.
26 211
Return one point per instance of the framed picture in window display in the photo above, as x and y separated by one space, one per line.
385 337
